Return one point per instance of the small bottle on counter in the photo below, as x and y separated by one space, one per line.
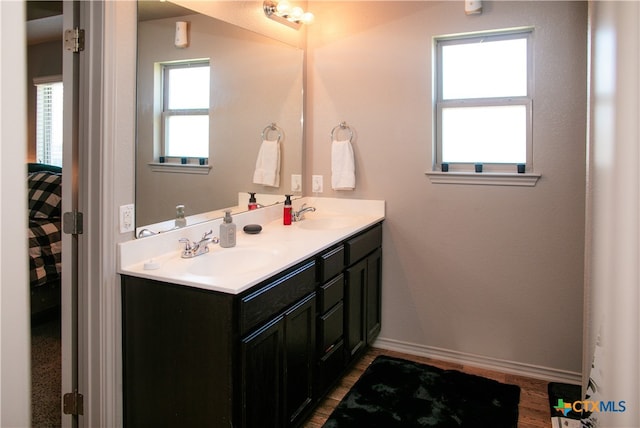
253 204
286 218
227 231
180 220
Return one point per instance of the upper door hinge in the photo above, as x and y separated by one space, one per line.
74 40
72 223
72 403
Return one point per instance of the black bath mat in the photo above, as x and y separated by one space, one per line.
397 393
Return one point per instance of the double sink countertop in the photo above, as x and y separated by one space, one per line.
255 258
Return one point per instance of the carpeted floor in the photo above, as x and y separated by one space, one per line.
395 392
46 373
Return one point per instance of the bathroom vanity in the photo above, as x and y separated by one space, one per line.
264 353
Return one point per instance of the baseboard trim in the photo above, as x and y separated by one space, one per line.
495 364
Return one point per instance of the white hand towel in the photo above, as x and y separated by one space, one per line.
267 170
343 170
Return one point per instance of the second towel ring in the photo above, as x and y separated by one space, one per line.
271 127
341 126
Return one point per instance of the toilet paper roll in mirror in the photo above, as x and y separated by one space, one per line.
182 38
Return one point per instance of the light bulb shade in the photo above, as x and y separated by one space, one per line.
308 18
296 13
283 7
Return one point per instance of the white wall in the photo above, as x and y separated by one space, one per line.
613 321
15 375
488 271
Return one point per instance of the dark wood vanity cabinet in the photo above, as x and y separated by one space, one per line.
262 358
277 367
363 278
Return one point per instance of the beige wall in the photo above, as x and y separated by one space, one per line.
492 271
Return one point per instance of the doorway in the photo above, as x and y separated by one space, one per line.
53 293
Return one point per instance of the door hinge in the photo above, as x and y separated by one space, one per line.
72 403
72 223
74 40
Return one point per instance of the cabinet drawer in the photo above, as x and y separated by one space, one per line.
363 244
331 327
268 301
331 263
330 367
330 293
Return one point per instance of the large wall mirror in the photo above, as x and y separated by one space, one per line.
254 81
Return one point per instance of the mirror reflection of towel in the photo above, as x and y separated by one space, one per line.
343 171
267 170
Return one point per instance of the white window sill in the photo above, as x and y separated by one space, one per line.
179 168
484 178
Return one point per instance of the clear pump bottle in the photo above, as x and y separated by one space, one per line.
180 220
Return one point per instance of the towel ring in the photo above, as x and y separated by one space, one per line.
271 127
343 125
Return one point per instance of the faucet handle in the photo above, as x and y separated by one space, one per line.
187 243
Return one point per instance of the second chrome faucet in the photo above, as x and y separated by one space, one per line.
299 215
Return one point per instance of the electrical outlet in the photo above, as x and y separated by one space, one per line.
127 214
296 183
317 185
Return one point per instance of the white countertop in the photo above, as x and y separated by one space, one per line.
255 258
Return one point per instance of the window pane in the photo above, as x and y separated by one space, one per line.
188 88
484 134
187 136
484 69
49 104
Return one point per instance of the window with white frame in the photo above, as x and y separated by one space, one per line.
49 120
185 109
483 101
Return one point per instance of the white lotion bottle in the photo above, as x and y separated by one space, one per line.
227 231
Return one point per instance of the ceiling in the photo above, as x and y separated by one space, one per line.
44 21
44 18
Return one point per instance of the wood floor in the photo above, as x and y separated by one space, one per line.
534 403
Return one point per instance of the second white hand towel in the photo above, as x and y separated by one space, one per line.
343 169
267 170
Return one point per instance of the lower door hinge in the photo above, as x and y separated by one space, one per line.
72 403
72 223
74 40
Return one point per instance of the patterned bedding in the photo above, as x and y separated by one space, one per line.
45 250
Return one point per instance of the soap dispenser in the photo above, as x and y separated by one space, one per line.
227 231
286 217
180 220
253 204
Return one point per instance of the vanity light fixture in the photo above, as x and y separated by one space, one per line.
282 12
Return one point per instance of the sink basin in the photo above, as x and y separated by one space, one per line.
223 262
326 223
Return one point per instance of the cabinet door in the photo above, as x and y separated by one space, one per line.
262 376
355 294
299 352
373 296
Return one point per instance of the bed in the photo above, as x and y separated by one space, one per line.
45 249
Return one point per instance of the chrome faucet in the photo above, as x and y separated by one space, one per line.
299 215
193 249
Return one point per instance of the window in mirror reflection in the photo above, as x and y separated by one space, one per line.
185 101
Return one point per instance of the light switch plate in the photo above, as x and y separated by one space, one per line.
296 183
127 215
317 185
